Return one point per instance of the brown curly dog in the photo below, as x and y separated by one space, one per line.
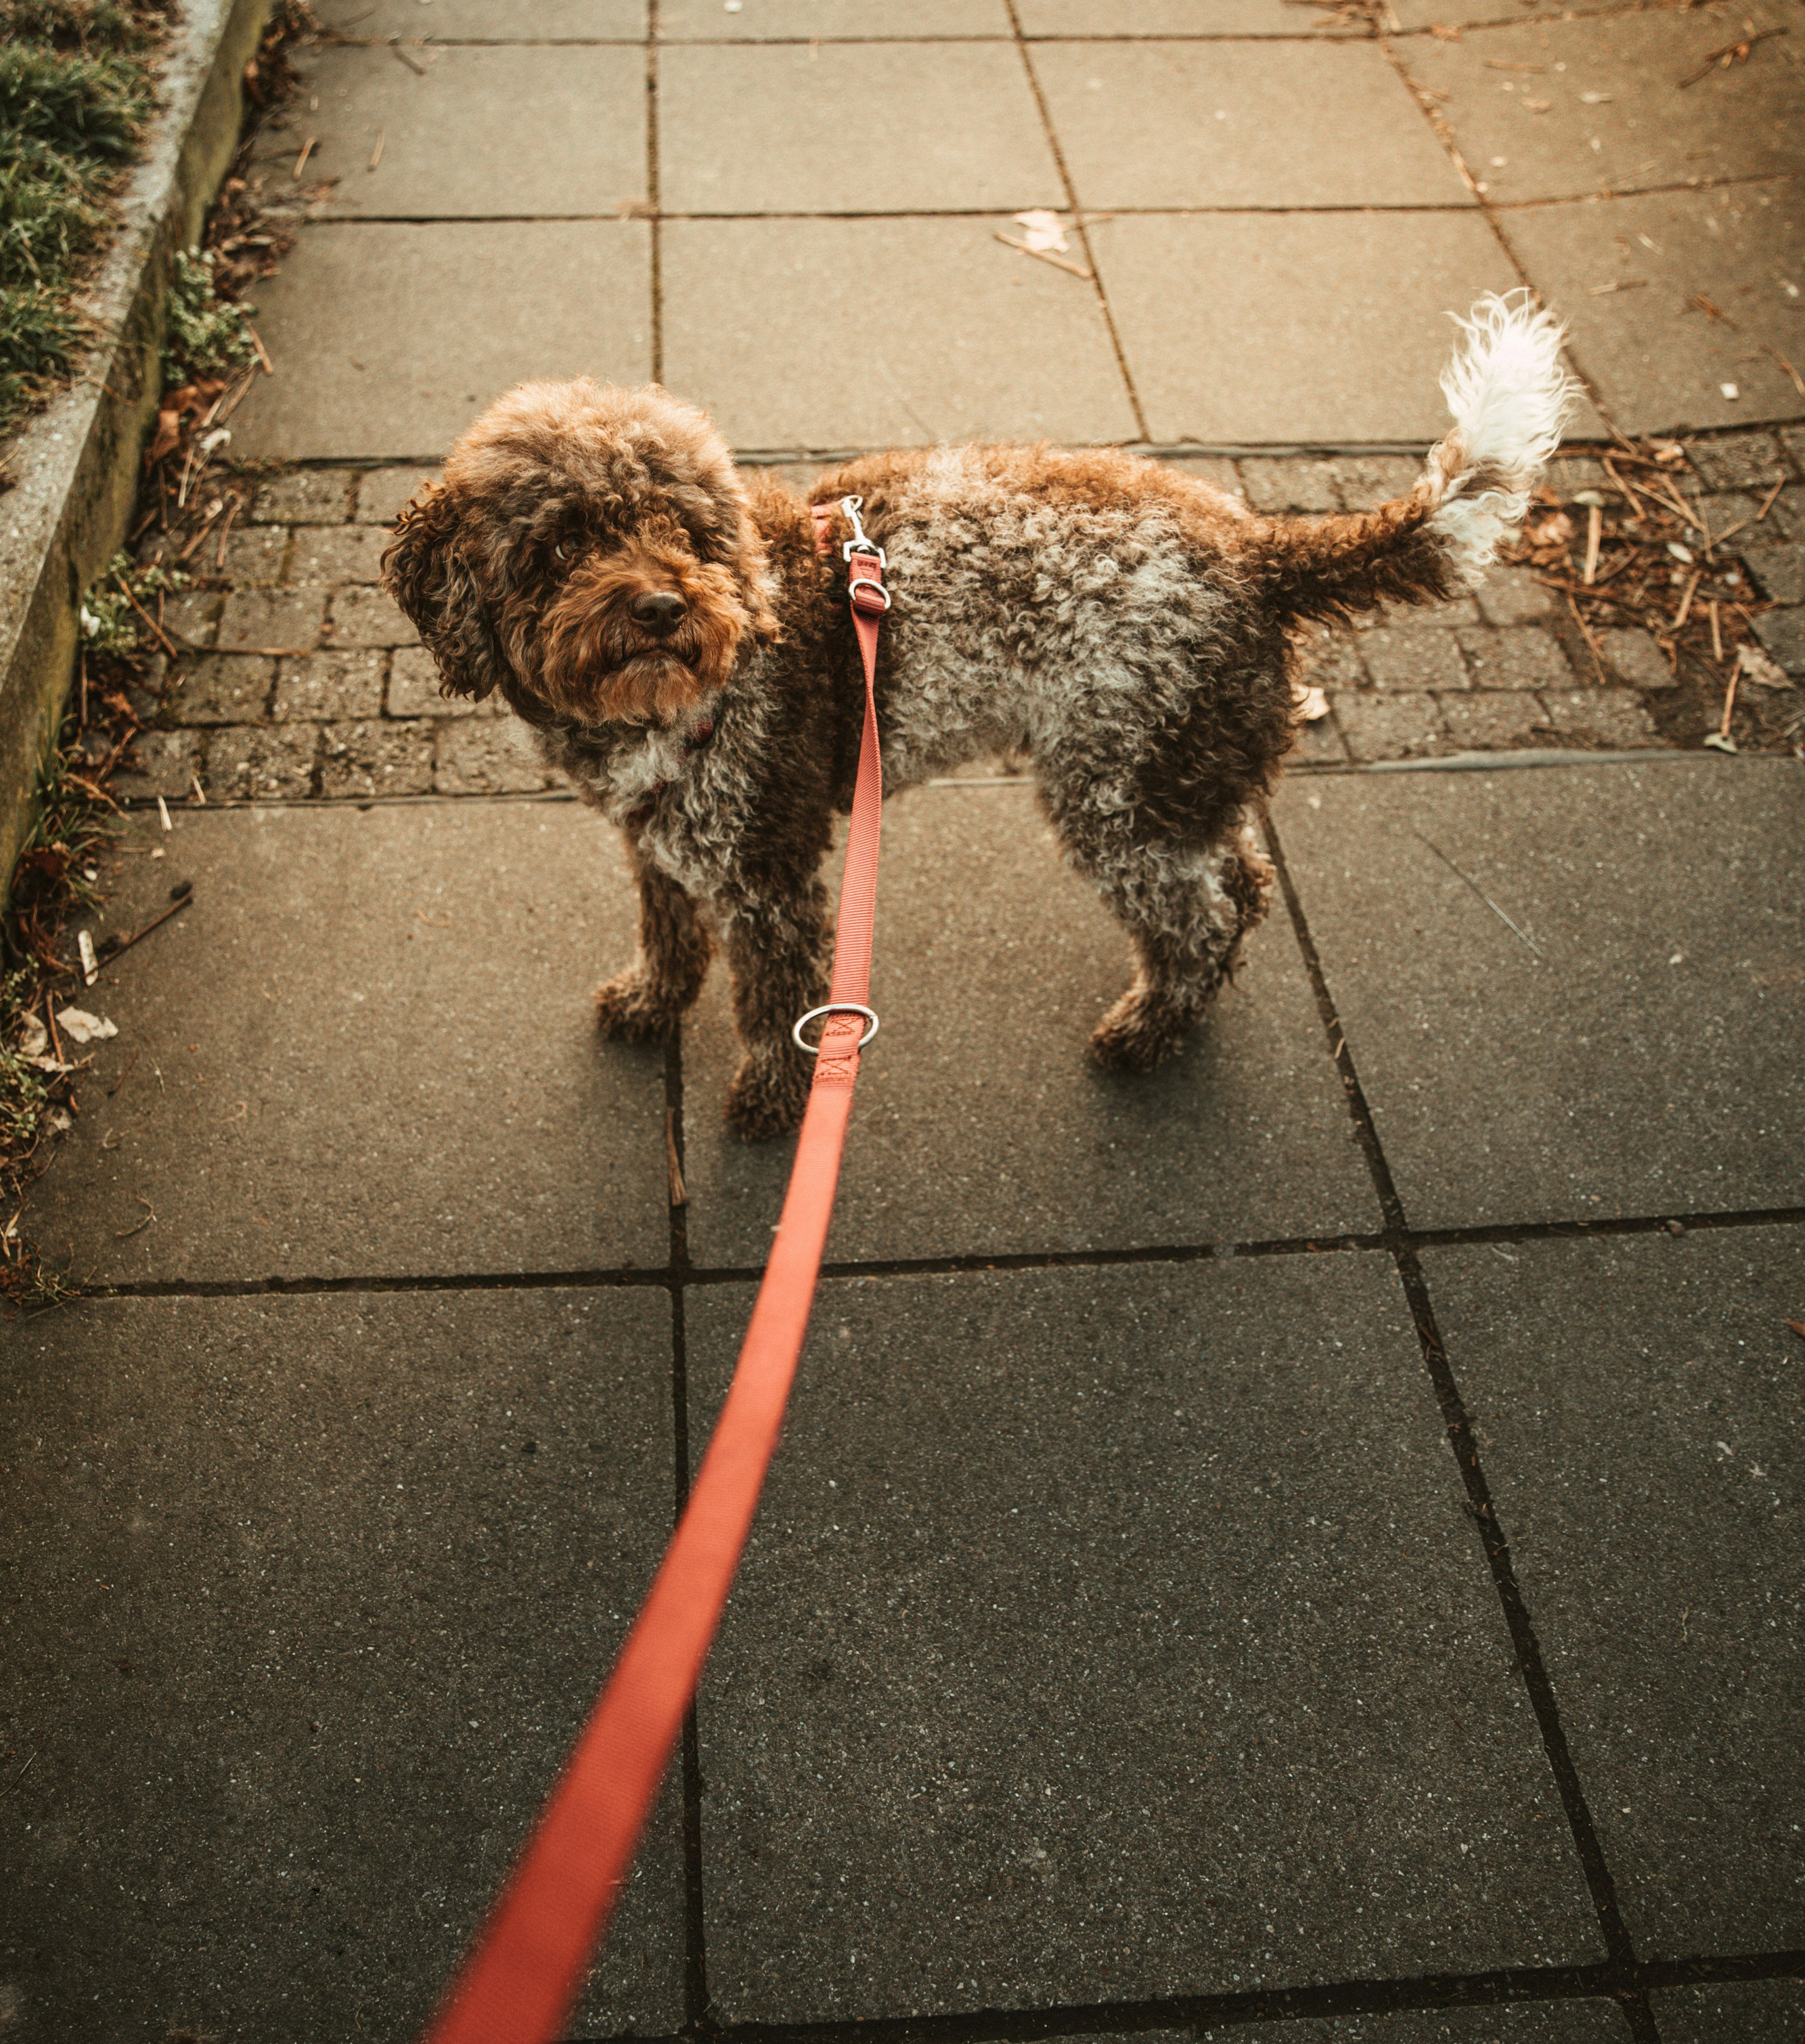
665 626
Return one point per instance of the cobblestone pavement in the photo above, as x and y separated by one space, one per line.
1302 1546
326 691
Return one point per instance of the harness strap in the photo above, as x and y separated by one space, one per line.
528 1962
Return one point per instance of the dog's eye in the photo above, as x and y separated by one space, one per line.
561 554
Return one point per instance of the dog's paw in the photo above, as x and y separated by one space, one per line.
630 1010
1138 1033
767 1097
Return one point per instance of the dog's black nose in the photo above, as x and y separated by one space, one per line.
659 610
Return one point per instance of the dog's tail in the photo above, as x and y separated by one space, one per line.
1510 397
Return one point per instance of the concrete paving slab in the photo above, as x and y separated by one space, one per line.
1782 633
1658 366
1609 718
1506 720
1566 109
487 21
270 620
413 690
1107 1634
254 554
489 304
329 685
308 1598
1524 658
328 554
1648 1062
486 756
1732 2012
1497 2022
445 155
369 617
981 1126
813 356
1637 1403
160 762
1393 727
308 497
222 688
397 1076
1209 18
839 21
1258 123
384 494
1251 328
372 757
941 127
252 762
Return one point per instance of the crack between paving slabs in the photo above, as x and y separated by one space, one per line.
655 235
1079 226
1542 1986
1601 1883
629 1276
1443 132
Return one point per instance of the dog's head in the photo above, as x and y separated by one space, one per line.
590 551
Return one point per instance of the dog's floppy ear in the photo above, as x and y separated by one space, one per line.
426 571
739 526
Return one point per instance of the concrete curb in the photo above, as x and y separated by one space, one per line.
75 464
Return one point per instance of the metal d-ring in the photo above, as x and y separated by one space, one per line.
834 1008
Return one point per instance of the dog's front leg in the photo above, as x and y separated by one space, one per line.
645 1003
778 950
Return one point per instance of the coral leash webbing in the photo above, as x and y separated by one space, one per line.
528 1963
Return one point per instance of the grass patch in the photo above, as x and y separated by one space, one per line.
75 95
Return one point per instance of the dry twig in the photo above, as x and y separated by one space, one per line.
1731 53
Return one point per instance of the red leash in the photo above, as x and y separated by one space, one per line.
525 1969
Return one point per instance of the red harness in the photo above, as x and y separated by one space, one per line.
523 1973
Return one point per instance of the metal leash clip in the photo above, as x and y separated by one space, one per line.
861 542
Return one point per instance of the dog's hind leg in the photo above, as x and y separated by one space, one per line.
778 950
1188 911
647 1001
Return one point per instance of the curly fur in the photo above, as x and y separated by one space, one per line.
685 655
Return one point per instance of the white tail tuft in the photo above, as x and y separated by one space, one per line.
1510 397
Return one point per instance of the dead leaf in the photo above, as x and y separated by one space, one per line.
1756 666
1041 230
1309 706
197 397
84 1027
34 1038
168 432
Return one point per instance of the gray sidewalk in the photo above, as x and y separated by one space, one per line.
1304 1546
